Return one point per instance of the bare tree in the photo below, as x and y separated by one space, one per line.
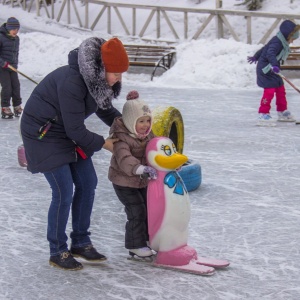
197 1
251 4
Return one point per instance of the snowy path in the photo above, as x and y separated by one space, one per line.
247 210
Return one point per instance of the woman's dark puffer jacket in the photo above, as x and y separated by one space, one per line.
63 96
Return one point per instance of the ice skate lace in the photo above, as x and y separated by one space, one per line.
7 110
18 109
65 255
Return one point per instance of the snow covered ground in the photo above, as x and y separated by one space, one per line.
247 209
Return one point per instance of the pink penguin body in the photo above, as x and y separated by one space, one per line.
168 205
169 213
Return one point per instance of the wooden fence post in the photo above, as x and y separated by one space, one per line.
86 14
219 23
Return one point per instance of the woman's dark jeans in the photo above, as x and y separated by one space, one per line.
82 175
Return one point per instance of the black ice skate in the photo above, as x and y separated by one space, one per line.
18 110
6 113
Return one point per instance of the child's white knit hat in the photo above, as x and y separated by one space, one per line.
133 109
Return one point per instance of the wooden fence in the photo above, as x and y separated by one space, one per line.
106 14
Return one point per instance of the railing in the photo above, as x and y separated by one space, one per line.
148 17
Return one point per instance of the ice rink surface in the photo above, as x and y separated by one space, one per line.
247 209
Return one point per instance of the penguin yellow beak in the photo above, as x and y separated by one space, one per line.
171 162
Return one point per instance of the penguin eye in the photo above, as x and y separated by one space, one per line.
167 150
174 148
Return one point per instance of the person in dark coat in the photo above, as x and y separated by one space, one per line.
58 144
9 80
268 61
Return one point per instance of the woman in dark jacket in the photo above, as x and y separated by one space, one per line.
9 80
268 61
59 145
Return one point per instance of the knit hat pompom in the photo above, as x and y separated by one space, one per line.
114 56
132 95
12 23
133 110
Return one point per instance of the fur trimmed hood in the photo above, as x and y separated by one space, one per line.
93 72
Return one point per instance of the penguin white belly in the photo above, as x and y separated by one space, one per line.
173 232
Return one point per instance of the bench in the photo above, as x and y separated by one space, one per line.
293 60
151 56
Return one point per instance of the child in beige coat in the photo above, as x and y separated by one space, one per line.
128 171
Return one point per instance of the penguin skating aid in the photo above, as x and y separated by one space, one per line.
169 213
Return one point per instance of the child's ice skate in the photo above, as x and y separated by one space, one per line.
18 110
141 254
6 113
265 120
285 116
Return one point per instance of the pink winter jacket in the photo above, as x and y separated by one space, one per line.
128 155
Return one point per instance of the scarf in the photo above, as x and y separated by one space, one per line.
282 55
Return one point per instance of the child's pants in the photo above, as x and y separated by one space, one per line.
135 202
10 84
265 103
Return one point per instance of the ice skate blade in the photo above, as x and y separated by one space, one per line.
147 259
134 254
287 121
262 123
7 117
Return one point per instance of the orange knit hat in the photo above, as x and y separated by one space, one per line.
114 56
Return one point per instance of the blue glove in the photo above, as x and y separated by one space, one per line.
276 69
150 172
251 59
